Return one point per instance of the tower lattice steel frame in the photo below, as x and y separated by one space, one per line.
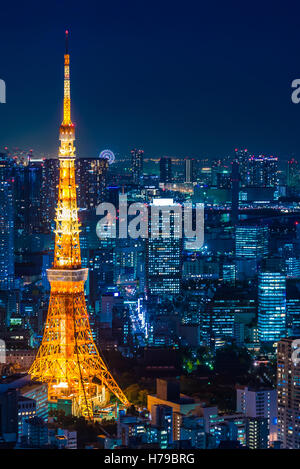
68 359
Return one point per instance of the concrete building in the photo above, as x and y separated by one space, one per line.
259 403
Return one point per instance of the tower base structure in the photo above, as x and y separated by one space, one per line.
68 359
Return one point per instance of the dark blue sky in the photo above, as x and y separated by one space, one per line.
179 78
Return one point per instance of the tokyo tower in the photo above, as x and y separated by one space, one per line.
68 359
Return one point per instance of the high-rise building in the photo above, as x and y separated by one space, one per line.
91 177
219 320
29 182
259 403
293 307
21 203
226 315
189 167
251 241
164 249
49 191
6 224
242 158
137 157
271 306
235 182
229 273
35 187
165 166
263 171
257 433
221 174
288 389
292 265
293 173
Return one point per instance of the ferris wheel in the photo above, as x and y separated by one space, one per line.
108 155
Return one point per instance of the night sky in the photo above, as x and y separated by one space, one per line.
189 78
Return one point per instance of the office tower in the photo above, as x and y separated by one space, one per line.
189 170
6 224
288 388
263 171
137 158
165 167
292 265
293 307
35 187
129 265
164 248
259 403
29 200
227 314
271 306
218 320
190 308
49 191
235 181
101 268
221 175
242 158
229 273
68 359
91 174
293 173
251 241
21 204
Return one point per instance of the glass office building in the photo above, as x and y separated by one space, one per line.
271 306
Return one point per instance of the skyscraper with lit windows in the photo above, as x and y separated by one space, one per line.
165 168
241 156
6 224
91 176
251 242
164 252
288 390
263 171
189 170
137 157
271 306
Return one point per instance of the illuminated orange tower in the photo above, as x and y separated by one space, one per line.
68 359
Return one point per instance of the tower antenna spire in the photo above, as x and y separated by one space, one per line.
67 95
67 42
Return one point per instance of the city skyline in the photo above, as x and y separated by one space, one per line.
196 82
149 295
